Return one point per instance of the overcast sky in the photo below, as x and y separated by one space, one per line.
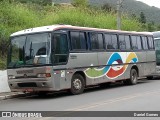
155 3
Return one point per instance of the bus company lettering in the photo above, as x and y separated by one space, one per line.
113 71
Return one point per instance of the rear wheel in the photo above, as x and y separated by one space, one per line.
77 84
133 78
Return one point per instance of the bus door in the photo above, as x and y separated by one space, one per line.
60 54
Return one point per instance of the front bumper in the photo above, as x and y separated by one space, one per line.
32 84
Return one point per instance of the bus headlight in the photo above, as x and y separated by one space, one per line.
11 77
44 75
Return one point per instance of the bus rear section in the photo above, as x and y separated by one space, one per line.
156 36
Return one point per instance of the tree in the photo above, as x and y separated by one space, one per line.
158 27
142 18
133 16
150 27
107 7
80 3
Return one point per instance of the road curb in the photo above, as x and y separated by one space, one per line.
12 95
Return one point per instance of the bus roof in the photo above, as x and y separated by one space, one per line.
56 27
156 34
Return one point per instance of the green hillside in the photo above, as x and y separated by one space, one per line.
18 16
130 7
135 7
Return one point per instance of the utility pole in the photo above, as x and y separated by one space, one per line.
119 5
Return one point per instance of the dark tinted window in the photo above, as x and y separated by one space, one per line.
139 43
78 41
144 43
127 41
96 41
60 48
111 41
100 41
122 43
83 40
150 43
136 42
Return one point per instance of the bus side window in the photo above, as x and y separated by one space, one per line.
127 42
150 43
139 43
145 43
100 41
136 42
122 43
78 40
96 41
111 41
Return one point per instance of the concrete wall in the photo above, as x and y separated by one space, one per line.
4 82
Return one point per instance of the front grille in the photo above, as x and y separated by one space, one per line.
27 84
21 77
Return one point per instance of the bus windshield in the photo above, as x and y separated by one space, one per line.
157 47
30 50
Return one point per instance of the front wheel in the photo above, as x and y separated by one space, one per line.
133 78
77 84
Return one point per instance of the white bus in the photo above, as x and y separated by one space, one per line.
65 57
156 36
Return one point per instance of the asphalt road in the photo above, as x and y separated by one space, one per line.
145 96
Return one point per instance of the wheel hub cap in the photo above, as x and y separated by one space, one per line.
77 84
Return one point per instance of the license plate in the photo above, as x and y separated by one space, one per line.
29 90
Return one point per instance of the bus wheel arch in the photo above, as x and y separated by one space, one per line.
78 83
136 68
134 74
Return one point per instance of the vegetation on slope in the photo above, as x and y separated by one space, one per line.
18 16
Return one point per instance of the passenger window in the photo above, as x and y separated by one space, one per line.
139 43
111 41
150 43
136 42
96 41
114 41
100 41
78 40
144 42
122 43
83 41
93 37
127 42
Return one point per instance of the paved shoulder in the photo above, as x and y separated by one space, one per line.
8 95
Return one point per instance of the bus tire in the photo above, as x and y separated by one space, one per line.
133 78
77 84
